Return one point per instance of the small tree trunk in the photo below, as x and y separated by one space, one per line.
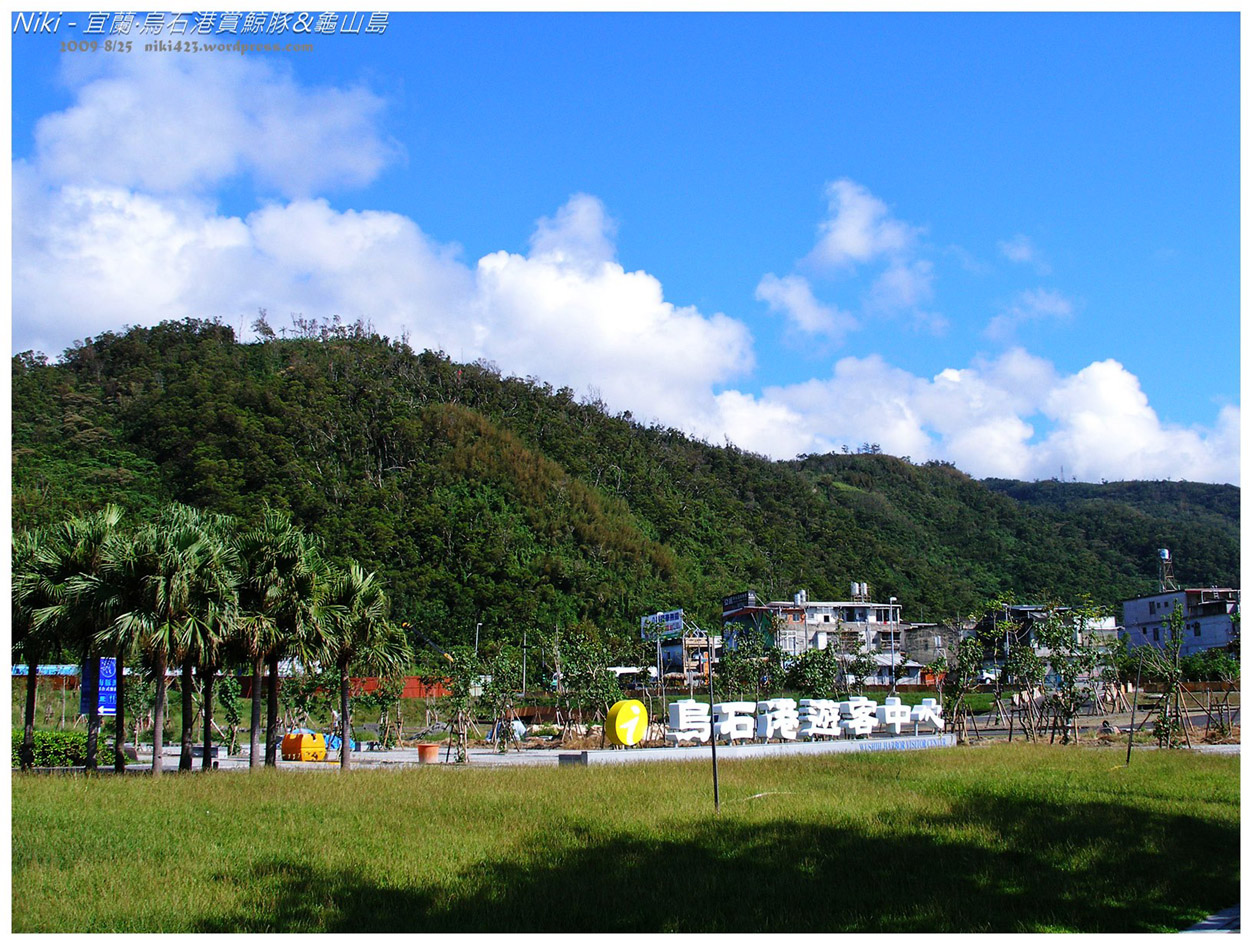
184 757
254 725
207 761
119 718
271 713
92 664
158 715
28 733
345 707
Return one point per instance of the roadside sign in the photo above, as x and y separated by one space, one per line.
99 683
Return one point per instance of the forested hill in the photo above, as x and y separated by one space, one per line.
497 499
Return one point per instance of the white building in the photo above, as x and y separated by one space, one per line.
1207 613
803 625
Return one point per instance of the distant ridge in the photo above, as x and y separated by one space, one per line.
488 498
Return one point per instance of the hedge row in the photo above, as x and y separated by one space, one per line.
54 749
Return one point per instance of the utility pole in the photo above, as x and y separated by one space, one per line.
891 603
717 804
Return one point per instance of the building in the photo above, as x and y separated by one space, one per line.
1209 615
799 625
926 642
1017 625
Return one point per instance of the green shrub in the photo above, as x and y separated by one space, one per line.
54 749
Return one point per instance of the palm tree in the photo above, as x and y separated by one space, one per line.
73 558
271 558
170 587
200 639
360 635
300 620
33 590
223 634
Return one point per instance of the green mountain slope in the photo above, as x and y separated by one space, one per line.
498 499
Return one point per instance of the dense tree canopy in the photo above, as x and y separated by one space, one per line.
480 498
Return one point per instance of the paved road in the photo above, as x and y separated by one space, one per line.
1225 921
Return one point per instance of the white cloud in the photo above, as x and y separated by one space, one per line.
792 296
1014 417
166 124
1104 427
1022 250
859 232
581 233
107 233
562 316
87 259
859 229
1029 306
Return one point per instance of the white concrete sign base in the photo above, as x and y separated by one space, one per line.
734 752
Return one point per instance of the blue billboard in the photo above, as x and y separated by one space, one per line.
99 683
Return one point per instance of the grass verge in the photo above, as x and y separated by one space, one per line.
1010 838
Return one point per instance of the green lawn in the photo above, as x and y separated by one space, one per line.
1005 838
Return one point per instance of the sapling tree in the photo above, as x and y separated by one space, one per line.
463 674
1025 670
504 671
815 674
228 695
388 698
753 668
1164 666
586 685
139 698
304 696
859 667
1073 656
960 668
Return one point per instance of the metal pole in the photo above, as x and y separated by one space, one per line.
892 604
523 664
1130 739
717 804
476 626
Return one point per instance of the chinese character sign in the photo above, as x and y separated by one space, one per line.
692 722
99 684
667 623
688 722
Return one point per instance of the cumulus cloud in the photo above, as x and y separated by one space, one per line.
1014 416
860 228
1021 249
1029 306
168 124
792 296
581 233
90 258
561 315
858 233
107 233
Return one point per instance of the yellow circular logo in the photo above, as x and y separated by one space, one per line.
627 723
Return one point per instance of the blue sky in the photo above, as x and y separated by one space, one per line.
1006 241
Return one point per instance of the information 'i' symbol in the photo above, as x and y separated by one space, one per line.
627 722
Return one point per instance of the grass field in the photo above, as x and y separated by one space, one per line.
1001 838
